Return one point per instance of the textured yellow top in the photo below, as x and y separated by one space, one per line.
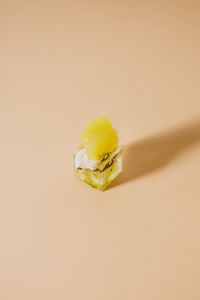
99 138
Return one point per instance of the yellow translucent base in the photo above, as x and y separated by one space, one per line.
100 179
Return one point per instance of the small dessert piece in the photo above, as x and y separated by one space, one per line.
98 160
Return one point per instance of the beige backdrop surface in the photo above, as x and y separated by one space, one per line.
61 64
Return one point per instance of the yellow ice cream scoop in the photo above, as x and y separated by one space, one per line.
99 138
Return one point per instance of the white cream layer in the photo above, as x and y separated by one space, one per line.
82 161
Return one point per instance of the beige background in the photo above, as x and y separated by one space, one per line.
61 64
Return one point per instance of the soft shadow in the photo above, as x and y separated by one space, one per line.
152 153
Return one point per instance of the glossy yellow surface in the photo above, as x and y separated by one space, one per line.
99 138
